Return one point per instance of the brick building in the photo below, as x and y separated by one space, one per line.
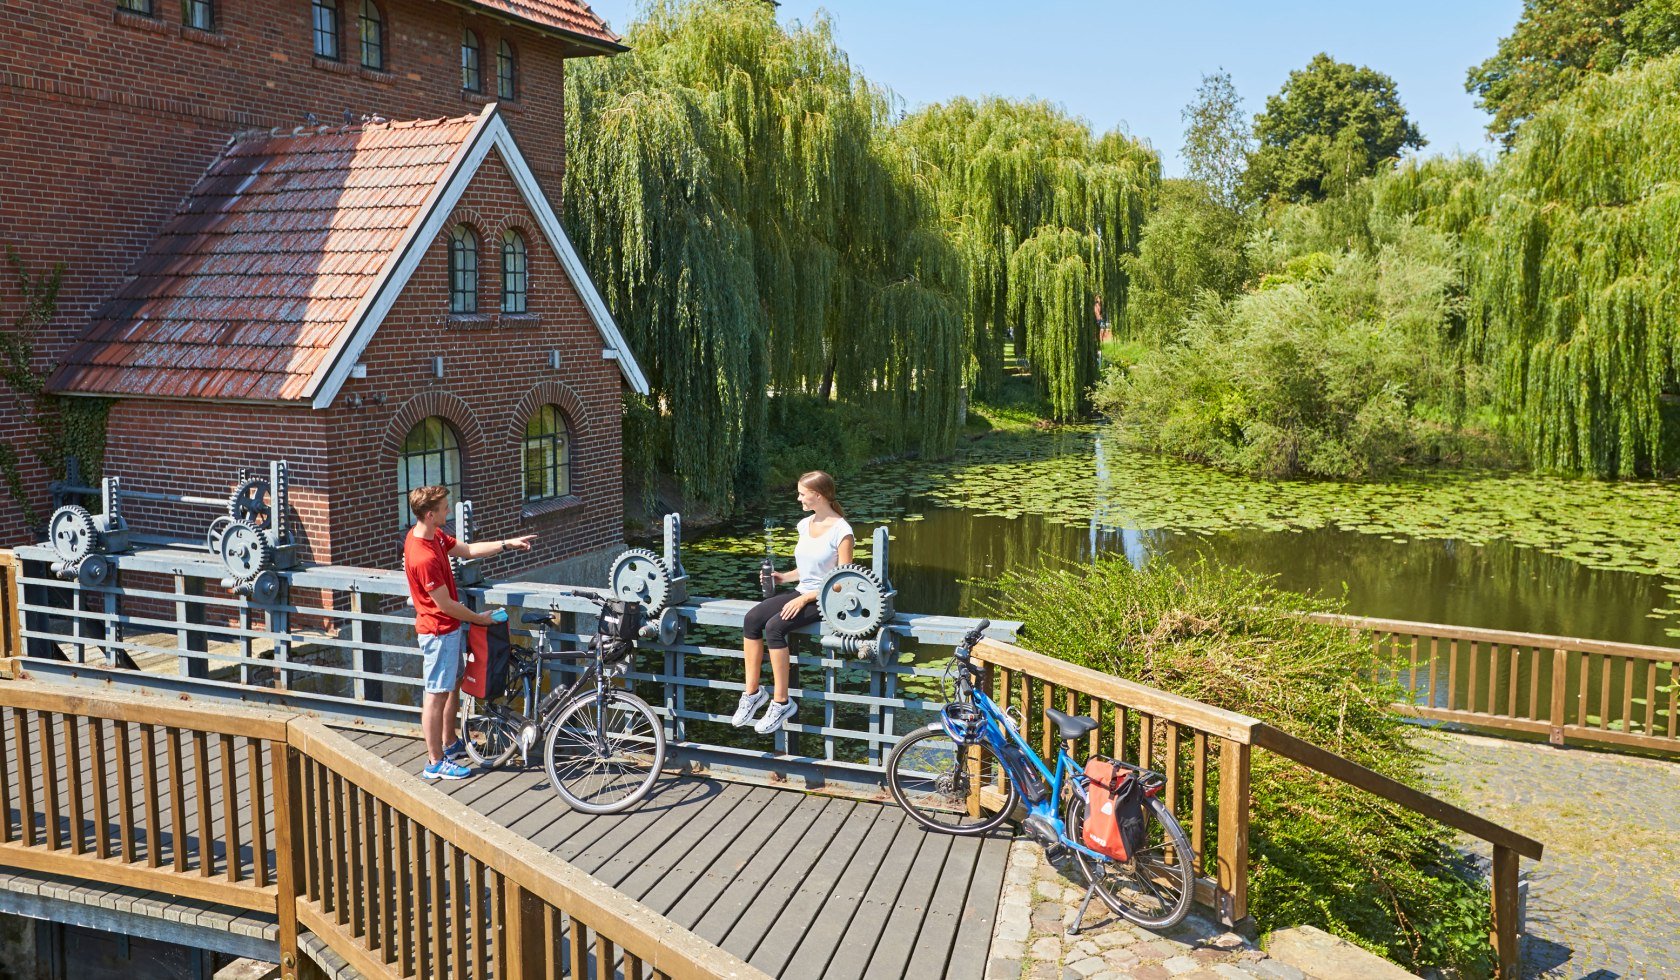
323 231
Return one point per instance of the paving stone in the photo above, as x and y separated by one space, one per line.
1158 949
1048 948
1117 937
1150 971
1083 968
1042 971
1230 971
1180 964
1120 959
1003 968
1017 931
1009 949
1276 970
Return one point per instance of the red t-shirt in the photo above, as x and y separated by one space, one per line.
427 565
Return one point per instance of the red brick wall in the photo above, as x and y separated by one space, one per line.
343 459
106 120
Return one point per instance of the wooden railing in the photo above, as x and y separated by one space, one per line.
1566 688
276 813
1206 754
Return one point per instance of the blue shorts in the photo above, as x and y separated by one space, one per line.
443 659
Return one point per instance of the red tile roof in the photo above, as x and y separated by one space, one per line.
251 286
567 16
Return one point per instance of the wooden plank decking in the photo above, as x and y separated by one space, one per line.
800 885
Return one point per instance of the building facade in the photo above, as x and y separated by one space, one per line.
229 325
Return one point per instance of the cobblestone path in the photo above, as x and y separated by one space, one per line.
1605 901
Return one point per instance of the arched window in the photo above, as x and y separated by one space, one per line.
431 455
514 276
506 71
471 78
373 36
463 270
548 456
198 14
326 28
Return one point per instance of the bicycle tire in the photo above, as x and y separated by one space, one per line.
1142 870
947 794
561 772
490 738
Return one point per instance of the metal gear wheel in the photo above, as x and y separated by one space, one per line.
72 533
853 602
245 551
249 503
93 570
213 536
265 587
639 575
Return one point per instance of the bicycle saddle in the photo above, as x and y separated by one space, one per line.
1071 726
532 618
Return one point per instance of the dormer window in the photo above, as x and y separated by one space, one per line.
506 71
372 24
472 79
326 28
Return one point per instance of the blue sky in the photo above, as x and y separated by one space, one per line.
1136 65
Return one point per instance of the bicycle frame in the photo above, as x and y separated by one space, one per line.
999 731
545 708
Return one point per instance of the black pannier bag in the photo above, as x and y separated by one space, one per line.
619 626
490 646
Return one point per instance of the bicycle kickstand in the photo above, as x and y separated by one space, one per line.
1079 920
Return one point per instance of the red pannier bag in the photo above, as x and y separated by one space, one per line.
489 654
1114 818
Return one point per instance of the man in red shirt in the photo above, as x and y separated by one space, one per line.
438 615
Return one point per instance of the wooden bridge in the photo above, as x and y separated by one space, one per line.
262 795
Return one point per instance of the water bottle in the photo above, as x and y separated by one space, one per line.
767 577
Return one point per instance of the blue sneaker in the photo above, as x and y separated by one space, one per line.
456 749
444 769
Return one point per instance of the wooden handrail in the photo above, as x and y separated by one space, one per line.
1173 707
1375 783
133 824
1639 651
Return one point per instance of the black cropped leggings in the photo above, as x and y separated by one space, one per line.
764 621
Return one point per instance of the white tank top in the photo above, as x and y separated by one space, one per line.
816 557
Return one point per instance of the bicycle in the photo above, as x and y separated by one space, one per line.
965 774
605 746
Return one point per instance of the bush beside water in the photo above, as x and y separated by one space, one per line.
1323 853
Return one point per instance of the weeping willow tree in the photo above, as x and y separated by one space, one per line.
1029 196
734 190
1579 273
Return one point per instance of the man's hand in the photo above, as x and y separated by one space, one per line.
521 543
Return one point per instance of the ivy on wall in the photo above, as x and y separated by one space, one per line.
65 427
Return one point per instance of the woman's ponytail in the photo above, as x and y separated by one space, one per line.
823 484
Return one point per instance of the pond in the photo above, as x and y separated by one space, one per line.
1505 551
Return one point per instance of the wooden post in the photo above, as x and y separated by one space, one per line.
1505 912
11 621
285 773
527 957
1560 685
1233 831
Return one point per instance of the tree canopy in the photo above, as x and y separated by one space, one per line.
1331 123
1557 44
1043 212
733 188
1217 138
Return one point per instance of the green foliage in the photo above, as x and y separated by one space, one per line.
1331 124
65 426
1342 363
1578 273
1039 209
1558 44
733 190
1217 139
1322 852
1192 245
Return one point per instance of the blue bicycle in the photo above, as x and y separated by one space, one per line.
966 773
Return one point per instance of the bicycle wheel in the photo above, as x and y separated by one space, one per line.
491 737
604 754
947 786
1154 887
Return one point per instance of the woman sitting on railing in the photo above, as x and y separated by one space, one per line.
825 542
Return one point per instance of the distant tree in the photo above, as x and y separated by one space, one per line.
1217 138
1558 43
1331 124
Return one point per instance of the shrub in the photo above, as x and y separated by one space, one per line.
1322 852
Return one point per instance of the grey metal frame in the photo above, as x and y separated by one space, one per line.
84 636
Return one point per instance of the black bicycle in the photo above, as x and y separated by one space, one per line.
605 746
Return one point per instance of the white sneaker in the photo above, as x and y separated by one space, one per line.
750 703
775 715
